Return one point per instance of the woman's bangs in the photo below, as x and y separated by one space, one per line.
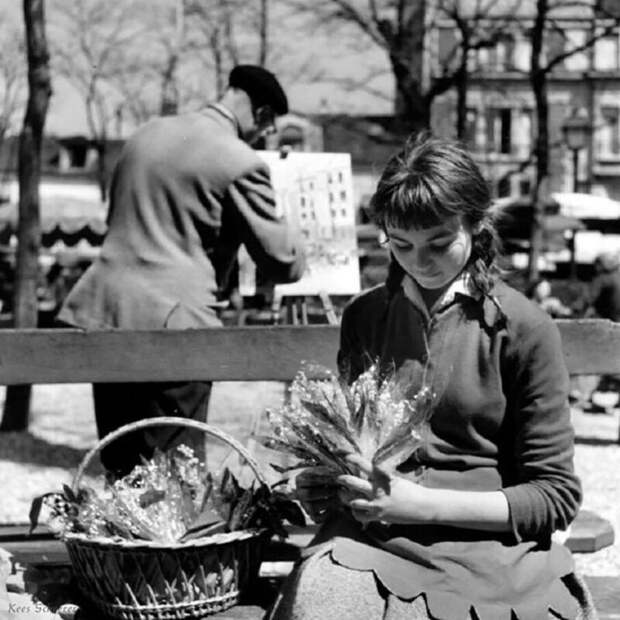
415 205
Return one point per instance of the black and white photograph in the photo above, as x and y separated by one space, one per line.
310 309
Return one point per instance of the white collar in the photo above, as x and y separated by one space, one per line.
461 285
226 113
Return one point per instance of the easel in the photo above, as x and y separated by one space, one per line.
297 309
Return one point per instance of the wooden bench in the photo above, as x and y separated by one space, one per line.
246 354
591 346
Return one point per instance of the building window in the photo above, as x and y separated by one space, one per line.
522 54
606 53
609 133
501 57
503 187
556 46
525 187
578 61
504 54
499 130
523 134
482 59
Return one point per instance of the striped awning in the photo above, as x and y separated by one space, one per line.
64 219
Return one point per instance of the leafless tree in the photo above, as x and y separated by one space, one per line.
12 76
184 40
402 29
150 80
398 28
224 33
17 401
91 39
263 30
474 30
548 19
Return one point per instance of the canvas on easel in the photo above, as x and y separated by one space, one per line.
314 191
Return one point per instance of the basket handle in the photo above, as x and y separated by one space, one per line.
167 421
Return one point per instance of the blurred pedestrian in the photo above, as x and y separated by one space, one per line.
540 293
605 290
186 192
605 304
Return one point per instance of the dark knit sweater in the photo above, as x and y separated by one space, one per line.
500 423
501 419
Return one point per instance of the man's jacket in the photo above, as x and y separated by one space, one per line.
185 193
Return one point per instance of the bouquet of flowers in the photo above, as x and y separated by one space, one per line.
377 416
170 498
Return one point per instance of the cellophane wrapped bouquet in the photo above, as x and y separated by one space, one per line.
379 417
170 498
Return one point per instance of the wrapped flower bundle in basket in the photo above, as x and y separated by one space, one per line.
380 417
171 539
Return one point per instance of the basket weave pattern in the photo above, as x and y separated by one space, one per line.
145 580
154 582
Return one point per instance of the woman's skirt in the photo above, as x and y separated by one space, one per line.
321 589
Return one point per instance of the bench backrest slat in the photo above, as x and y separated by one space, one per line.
220 354
228 353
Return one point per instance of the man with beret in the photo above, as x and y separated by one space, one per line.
186 191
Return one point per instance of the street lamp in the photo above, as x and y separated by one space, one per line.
576 130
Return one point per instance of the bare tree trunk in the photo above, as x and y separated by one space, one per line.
411 108
229 36
170 87
462 85
538 81
102 168
17 403
169 90
263 32
220 77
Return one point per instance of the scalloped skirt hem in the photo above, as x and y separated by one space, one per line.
320 588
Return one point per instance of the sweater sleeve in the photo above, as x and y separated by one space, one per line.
275 248
547 493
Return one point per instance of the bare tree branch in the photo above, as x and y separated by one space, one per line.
588 43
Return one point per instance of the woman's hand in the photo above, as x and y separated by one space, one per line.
384 497
317 491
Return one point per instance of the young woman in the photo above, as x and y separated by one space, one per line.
463 528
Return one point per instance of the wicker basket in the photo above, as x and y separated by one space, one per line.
144 580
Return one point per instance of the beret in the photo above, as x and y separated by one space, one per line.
261 86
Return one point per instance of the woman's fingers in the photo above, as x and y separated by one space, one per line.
363 464
376 473
356 485
346 497
364 511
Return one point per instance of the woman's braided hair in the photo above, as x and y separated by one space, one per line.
430 180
